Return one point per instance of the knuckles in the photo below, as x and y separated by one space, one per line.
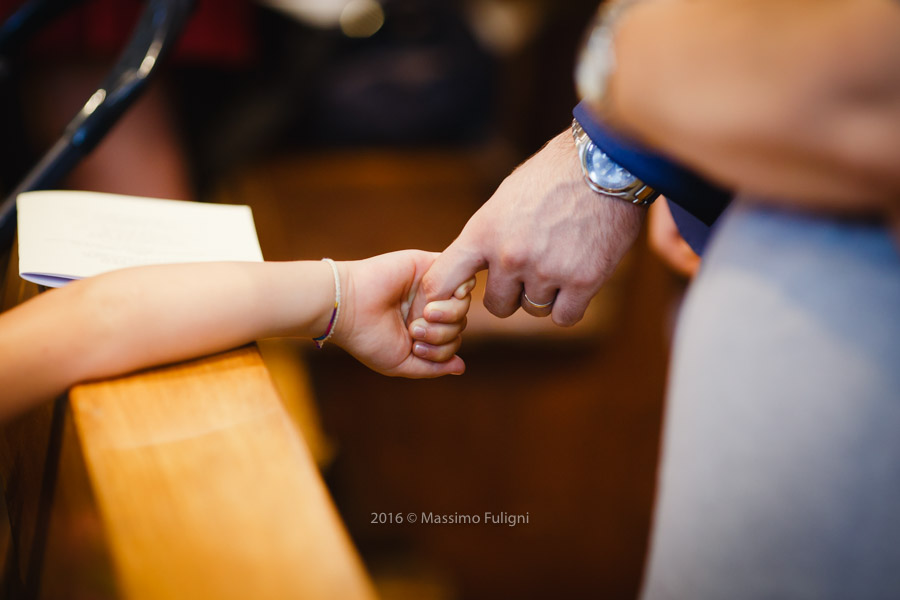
567 317
498 307
583 281
514 258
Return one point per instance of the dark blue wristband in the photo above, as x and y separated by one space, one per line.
678 184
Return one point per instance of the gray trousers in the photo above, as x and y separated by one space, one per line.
780 473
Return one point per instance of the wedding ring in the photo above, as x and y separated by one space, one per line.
535 304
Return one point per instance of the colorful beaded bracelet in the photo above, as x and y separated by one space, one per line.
320 341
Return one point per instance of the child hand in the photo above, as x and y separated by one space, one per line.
441 320
374 324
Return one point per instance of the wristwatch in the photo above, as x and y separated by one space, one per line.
605 176
595 64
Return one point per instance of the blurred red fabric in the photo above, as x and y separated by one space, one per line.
220 31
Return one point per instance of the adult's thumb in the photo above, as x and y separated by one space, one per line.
453 267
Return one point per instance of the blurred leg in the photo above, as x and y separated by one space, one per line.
780 473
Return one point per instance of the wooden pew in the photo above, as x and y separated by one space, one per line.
185 481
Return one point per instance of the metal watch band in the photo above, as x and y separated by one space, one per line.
637 192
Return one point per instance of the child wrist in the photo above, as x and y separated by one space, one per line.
336 310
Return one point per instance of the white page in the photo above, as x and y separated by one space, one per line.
65 235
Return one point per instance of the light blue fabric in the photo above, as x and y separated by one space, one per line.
780 473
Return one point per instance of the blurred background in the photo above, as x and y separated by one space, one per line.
356 127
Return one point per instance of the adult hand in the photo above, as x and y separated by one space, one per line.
543 234
666 241
375 325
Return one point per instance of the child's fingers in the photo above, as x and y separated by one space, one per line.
464 289
447 311
436 333
437 353
418 368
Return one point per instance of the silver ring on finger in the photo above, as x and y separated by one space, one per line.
538 305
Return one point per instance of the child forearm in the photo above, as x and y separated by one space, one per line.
135 318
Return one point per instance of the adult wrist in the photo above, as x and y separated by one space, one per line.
597 63
605 176
676 182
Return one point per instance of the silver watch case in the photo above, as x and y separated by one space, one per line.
605 176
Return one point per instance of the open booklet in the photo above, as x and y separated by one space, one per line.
66 235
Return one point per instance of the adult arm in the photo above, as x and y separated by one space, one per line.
796 100
134 318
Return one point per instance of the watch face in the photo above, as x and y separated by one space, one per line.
604 172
